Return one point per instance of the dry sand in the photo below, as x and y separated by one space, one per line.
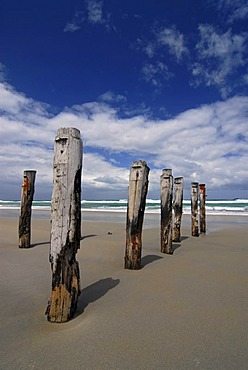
183 311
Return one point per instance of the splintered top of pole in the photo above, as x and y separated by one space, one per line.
139 164
140 167
63 150
32 171
178 180
138 171
138 179
166 172
65 132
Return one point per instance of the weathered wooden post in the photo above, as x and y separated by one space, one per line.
202 208
194 209
166 186
65 225
178 208
138 186
26 209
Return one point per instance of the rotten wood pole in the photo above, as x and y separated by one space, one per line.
202 196
65 225
166 187
138 187
194 208
27 195
178 208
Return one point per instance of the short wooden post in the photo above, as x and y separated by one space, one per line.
202 208
166 185
26 209
194 209
138 187
178 208
65 225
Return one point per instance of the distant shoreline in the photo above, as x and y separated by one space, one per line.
151 220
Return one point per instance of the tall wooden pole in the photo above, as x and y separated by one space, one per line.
194 209
202 208
178 208
166 185
65 225
138 187
26 209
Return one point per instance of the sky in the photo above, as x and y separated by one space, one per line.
161 81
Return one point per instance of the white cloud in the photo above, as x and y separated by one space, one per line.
2 72
219 56
245 78
95 11
174 40
167 38
164 43
76 23
241 12
72 27
208 144
110 97
233 9
156 73
150 49
94 14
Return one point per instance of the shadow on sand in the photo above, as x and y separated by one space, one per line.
177 245
87 236
33 245
149 259
94 292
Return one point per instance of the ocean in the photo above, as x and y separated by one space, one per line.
215 207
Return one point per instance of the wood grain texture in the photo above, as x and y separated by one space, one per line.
194 208
166 187
65 225
178 208
138 187
27 195
202 197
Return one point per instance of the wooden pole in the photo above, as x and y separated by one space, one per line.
65 225
202 208
166 185
138 186
194 209
178 208
26 209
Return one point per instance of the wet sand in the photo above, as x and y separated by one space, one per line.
182 311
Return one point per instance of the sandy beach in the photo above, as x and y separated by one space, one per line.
182 311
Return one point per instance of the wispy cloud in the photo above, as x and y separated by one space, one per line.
3 72
76 23
174 40
208 144
110 97
93 14
95 11
219 56
234 10
167 39
156 73
164 42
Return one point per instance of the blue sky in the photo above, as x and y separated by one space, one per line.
161 81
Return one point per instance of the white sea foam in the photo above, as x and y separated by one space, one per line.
213 207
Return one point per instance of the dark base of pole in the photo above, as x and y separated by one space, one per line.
24 242
133 263
62 304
